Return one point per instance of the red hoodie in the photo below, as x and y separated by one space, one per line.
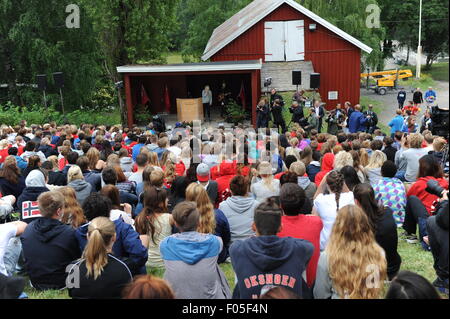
227 172
418 189
326 166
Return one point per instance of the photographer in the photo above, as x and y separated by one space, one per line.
335 120
297 113
262 114
275 96
372 119
277 112
159 125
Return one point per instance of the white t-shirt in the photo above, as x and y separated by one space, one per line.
116 214
7 231
327 210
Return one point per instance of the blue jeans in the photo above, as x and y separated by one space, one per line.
12 255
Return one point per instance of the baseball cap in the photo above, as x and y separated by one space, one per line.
203 172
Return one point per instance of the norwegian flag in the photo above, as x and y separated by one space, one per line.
30 210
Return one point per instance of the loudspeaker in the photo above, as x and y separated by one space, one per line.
314 81
59 80
296 77
41 81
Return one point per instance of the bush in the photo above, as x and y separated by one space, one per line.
12 115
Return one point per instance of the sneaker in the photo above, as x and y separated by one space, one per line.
441 285
411 239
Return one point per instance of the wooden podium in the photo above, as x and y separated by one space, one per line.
189 110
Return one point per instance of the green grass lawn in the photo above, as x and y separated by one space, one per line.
438 71
414 258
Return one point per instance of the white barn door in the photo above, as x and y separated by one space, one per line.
274 41
295 40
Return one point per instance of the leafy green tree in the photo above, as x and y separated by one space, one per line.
131 31
34 39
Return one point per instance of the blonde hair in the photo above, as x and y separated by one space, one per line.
342 159
415 140
438 144
298 168
73 213
351 251
377 159
265 170
153 159
207 222
74 173
93 155
100 233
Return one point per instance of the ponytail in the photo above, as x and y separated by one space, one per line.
100 233
335 181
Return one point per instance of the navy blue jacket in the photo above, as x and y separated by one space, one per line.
223 231
269 260
8 188
356 122
47 150
29 194
48 247
93 178
128 246
311 171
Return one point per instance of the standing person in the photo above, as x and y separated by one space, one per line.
417 97
333 122
48 245
101 275
430 97
396 123
372 120
190 258
382 224
297 112
297 224
334 280
320 112
275 96
262 114
401 98
357 121
427 122
268 259
207 100
277 113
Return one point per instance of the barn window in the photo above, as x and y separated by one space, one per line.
284 40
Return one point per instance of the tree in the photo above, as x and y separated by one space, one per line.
35 40
131 31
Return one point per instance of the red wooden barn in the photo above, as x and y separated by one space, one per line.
287 36
268 38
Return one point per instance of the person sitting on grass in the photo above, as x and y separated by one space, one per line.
190 258
148 287
100 274
128 246
268 259
48 245
409 285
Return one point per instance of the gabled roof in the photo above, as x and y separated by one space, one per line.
255 12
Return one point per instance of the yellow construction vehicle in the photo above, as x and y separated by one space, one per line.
386 80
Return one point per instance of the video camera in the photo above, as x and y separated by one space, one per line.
439 119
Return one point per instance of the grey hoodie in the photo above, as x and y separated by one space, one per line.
309 188
239 211
82 189
126 164
35 179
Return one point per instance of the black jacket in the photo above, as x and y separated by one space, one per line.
109 285
8 188
297 114
269 260
387 237
418 97
48 247
57 178
277 112
47 150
